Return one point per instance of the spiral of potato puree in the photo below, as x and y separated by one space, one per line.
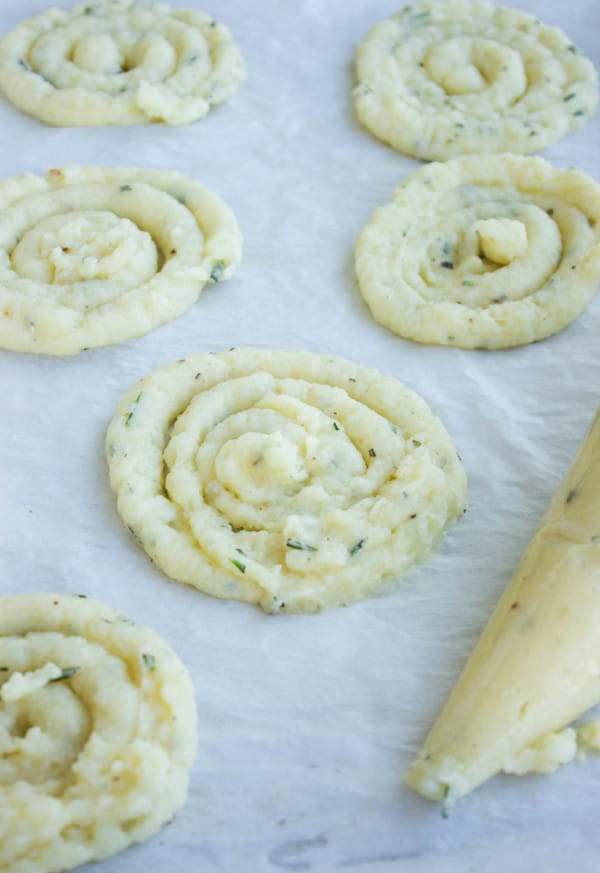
119 62
91 256
484 251
444 79
284 478
97 732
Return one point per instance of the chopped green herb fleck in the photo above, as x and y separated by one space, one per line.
458 124
129 415
23 63
469 284
83 596
447 264
372 453
300 546
419 18
572 49
416 443
67 673
336 425
571 495
356 548
4 669
238 564
241 551
149 661
569 96
217 271
125 188
579 113
444 799
350 379
191 60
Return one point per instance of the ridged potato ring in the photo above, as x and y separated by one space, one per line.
292 480
97 732
91 256
119 62
485 251
441 79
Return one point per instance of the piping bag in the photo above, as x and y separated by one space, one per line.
536 667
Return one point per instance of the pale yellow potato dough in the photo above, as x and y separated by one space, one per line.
288 479
484 251
440 79
91 256
119 62
97 732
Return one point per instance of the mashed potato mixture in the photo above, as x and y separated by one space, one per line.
292 480
97 732
485 251
91 256
119 62
441 79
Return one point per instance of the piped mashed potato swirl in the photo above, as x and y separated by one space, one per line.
97 732
441 79
91 256
287 479
485 251
119 62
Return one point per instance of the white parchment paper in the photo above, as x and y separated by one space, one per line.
307 723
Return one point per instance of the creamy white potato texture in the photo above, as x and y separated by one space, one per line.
484 251
91 256
119 62
288 479
440 79
97 732
535 669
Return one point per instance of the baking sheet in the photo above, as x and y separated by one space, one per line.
307 723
